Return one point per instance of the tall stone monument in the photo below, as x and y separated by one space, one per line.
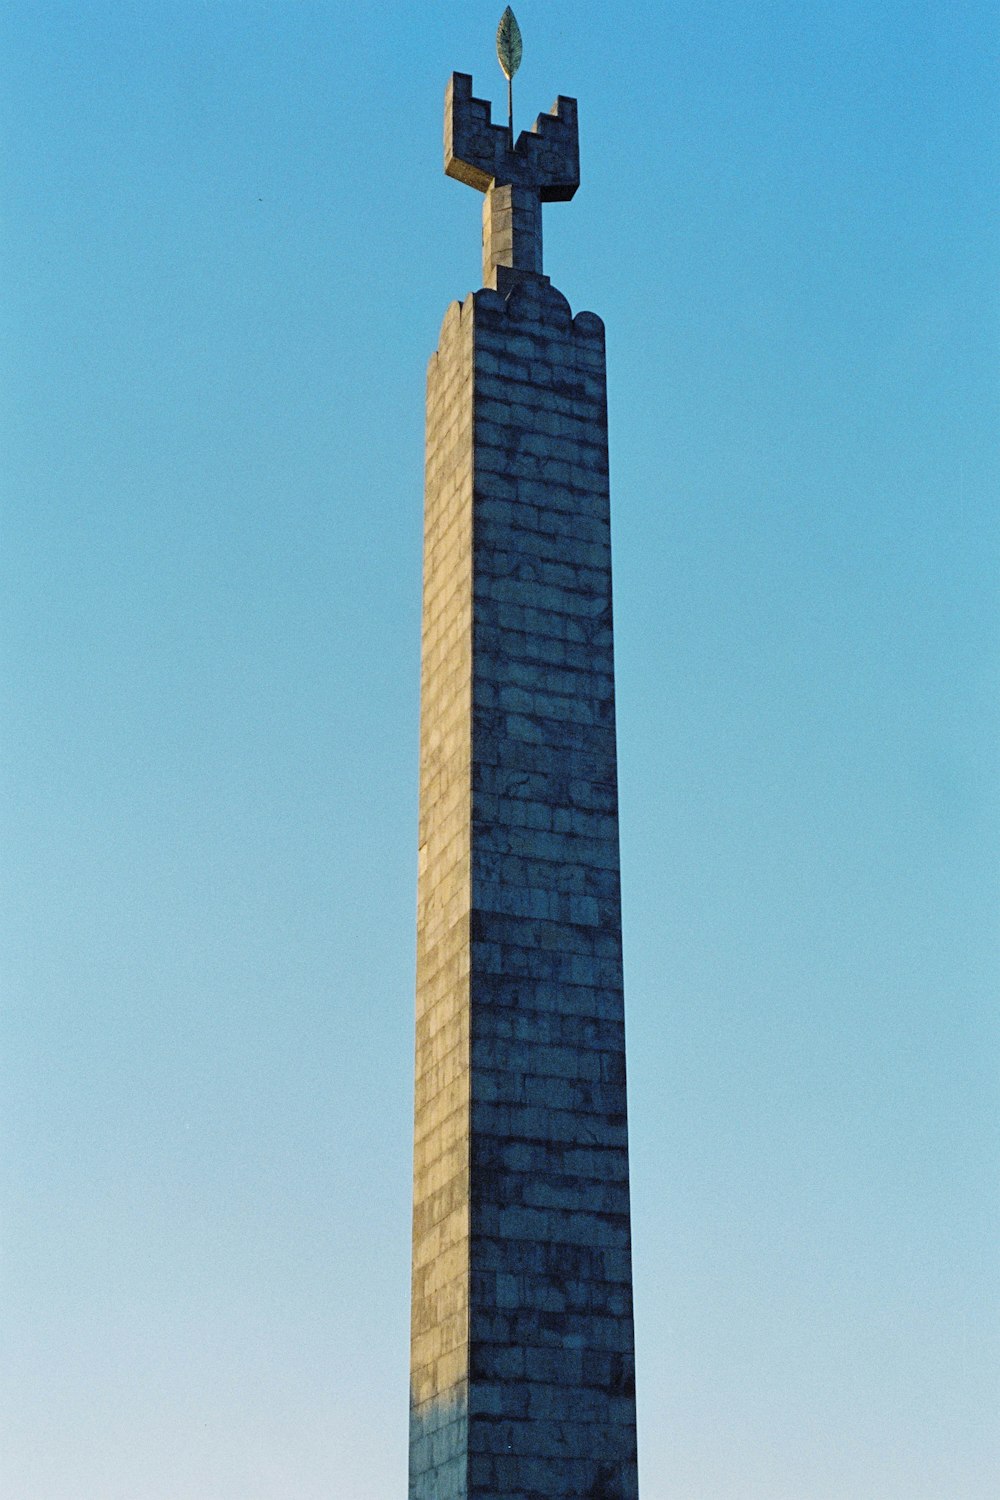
522 1371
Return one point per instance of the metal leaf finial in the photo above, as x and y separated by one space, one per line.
509 44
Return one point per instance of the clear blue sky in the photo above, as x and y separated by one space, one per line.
228 246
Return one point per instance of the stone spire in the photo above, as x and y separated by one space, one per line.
543 166
522 1375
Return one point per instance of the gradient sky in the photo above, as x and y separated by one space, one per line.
228 246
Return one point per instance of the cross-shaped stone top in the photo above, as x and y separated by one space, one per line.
542 167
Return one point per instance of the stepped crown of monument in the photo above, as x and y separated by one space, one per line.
541 166
546 157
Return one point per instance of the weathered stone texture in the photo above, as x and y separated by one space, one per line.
523 1381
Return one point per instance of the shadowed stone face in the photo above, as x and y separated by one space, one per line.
522 1380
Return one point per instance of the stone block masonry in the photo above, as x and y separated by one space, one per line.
523 1364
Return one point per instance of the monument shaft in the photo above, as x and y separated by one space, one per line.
522 1383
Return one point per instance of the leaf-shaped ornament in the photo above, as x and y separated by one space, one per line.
509 44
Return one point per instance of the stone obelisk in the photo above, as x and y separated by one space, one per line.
522 1371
